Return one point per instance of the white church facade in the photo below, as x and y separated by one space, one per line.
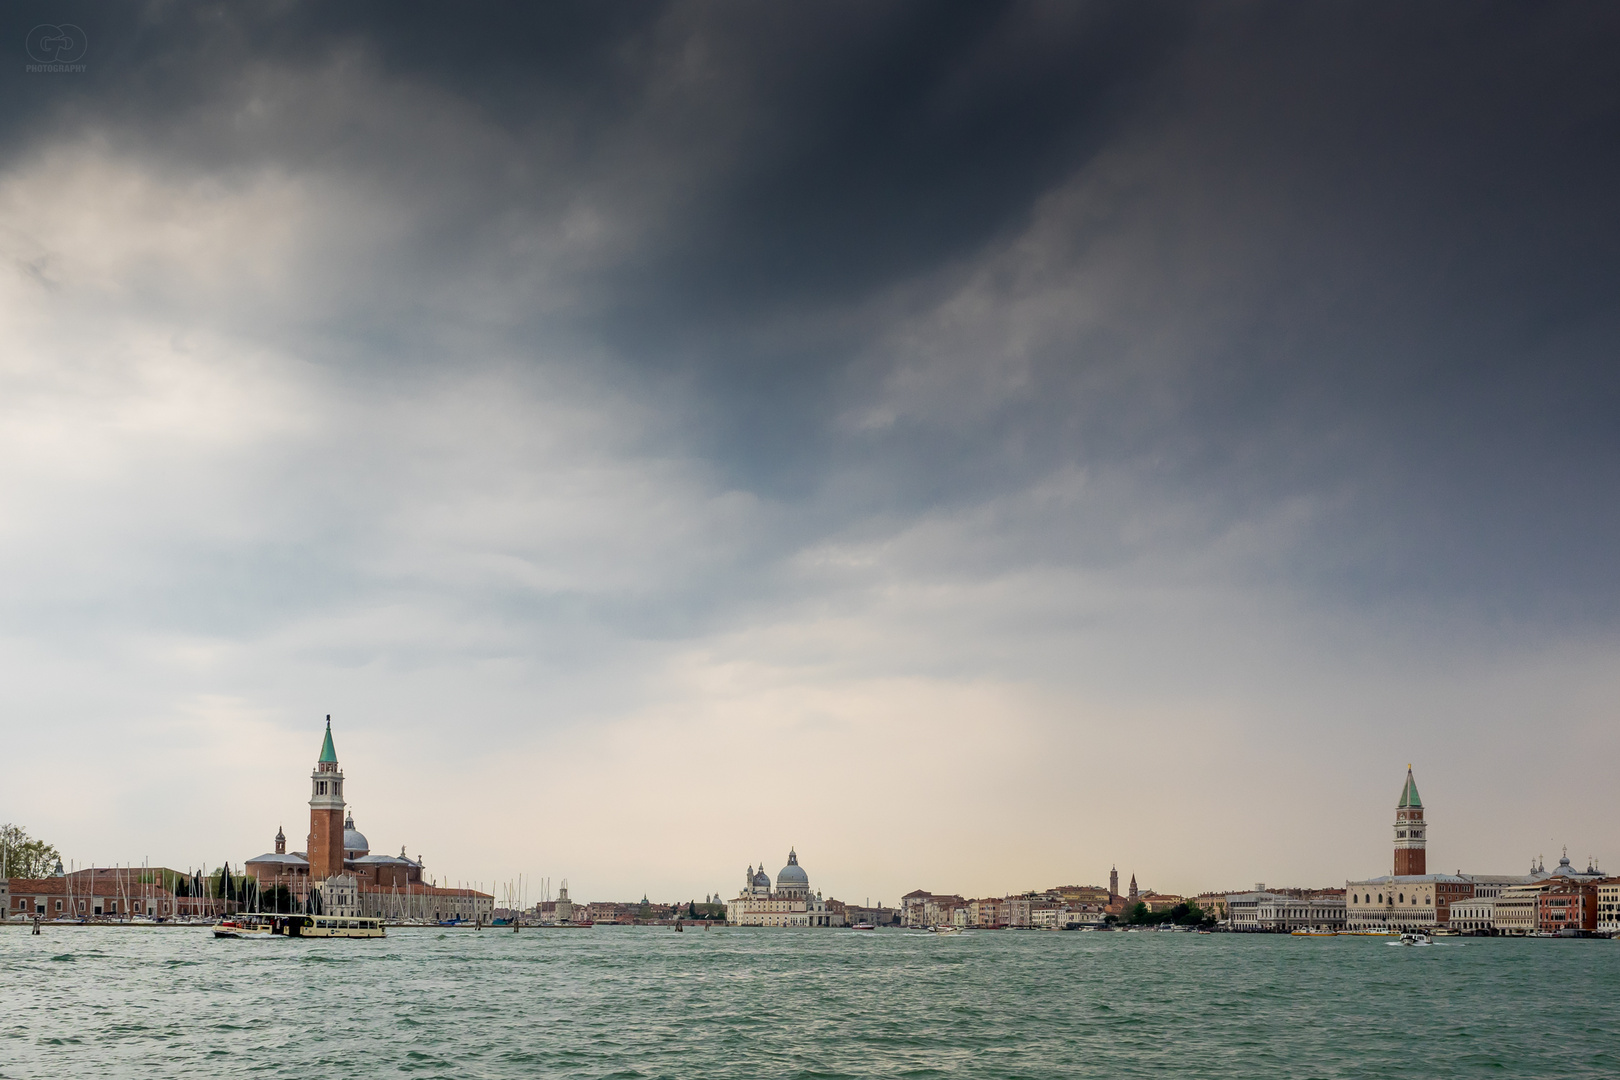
790 903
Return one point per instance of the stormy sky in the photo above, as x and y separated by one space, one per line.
977 445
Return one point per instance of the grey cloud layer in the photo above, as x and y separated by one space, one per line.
1004 342
882 260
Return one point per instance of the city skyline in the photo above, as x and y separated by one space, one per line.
975 447
535 886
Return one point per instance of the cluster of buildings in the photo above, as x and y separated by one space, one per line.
1063 907
106 893
565 912
790 902
336 874
1563 900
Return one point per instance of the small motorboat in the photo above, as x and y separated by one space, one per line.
1412 937
863 926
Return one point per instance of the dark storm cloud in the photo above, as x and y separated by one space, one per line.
1362 256
567 389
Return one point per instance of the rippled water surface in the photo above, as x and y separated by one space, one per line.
645 1002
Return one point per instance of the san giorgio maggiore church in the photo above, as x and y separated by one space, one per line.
790 903
338 875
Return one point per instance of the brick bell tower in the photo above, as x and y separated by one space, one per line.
1410 857
326 814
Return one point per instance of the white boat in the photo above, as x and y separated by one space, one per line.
330 926
1412 938
944 929
863 926
244 926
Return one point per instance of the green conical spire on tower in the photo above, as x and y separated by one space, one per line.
329 755
1409 794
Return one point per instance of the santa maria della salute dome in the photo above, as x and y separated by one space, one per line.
792 878
790 903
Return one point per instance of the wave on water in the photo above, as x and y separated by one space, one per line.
813 1004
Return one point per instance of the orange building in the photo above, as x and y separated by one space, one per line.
1567 907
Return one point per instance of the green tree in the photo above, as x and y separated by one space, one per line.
24 857
1194 915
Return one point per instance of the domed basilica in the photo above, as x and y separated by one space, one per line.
790 903
339 872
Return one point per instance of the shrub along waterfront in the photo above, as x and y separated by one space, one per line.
1180 915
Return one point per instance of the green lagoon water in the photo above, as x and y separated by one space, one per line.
644 1002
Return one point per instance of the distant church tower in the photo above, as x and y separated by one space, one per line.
1113 885
326 814
1410 857
281 841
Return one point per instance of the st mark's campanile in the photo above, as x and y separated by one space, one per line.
1409 830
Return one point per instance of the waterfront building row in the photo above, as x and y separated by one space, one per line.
1561 900
1063 908
125 893
101 893
1261 911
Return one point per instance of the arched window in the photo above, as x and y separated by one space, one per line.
1380 898
1403 898
1427 900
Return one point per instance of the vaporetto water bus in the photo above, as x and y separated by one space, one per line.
331 926
313 926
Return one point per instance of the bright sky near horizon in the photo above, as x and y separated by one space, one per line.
977 445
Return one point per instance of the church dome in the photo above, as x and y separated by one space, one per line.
762 880
354 840
793 875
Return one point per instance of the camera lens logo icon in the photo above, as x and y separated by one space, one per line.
56 44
